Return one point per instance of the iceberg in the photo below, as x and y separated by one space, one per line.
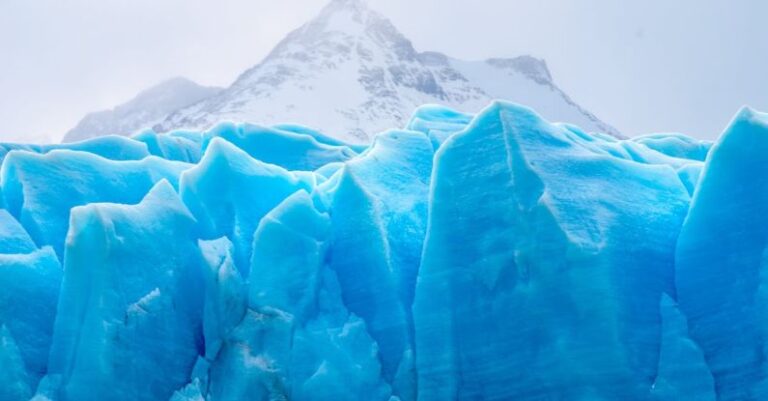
582 322
723 250
494 256
40 189
128 321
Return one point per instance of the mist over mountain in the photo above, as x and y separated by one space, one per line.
146 109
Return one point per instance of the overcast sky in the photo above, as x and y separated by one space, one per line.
642 66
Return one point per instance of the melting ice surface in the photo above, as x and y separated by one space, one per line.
488 257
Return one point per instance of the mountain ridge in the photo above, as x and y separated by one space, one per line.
143 110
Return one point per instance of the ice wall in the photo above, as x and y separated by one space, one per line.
488 257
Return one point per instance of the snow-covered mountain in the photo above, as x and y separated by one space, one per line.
145 110
350 73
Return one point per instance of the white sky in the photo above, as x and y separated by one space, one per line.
642 66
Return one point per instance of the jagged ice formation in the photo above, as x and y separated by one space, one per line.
488 257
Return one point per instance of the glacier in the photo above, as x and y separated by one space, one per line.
495 256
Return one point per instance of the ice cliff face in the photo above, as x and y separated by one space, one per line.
496 257
351 73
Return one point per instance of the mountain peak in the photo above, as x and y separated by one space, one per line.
173 87
342 28
351 73
352 17
348 4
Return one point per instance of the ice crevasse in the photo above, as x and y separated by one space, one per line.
488 257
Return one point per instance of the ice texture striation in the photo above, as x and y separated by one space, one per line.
495 256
